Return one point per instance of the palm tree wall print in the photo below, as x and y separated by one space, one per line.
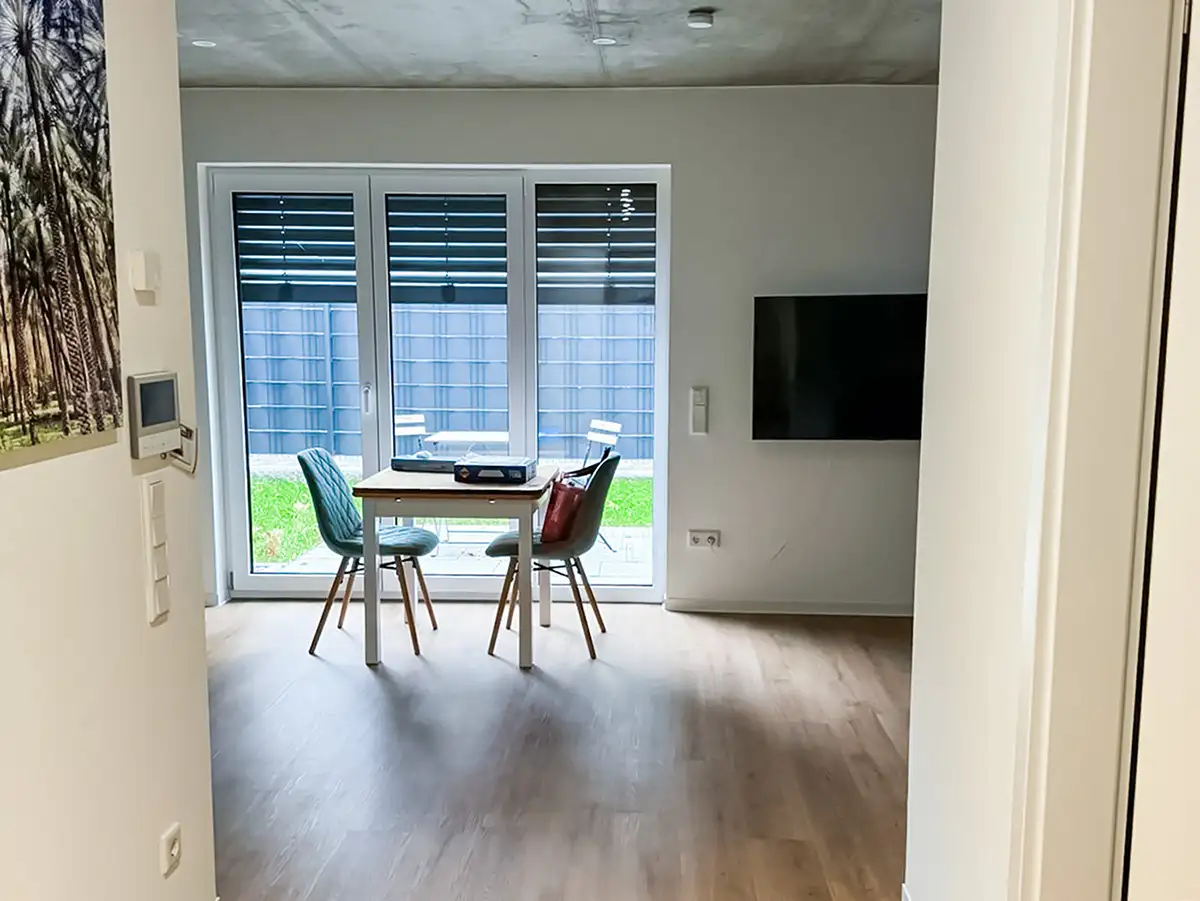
60 355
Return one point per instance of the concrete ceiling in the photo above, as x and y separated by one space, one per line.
548 43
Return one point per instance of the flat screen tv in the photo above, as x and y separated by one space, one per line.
847 367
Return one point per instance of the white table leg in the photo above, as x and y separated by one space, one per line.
371 580
525 586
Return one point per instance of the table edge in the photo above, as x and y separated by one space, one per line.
405 493
512 494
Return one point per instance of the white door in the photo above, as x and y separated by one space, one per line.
294 316
1164 834
450 321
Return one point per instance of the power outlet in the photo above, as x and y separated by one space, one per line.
702 538
170 850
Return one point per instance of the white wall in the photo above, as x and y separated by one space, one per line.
774 190
104 720
987 263
1041 274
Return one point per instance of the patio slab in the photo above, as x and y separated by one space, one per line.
629 563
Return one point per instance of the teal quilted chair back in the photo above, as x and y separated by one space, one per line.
337 517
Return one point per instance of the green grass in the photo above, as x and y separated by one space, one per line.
285 525
284 522
630 503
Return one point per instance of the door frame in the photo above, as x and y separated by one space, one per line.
660 177
229 408
368 184
439 182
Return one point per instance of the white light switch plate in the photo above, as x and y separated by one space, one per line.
157 573
699 423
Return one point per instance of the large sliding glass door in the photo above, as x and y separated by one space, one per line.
597 267
292 329
451 318
383 312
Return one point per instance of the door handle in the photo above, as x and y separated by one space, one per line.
366 400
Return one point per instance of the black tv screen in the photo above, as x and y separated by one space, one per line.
847 367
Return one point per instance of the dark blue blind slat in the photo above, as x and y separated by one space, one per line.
295 247
596 244
447 249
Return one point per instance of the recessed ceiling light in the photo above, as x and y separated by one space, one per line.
205 44
604 41
701 17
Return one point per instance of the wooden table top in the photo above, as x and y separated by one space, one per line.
441 485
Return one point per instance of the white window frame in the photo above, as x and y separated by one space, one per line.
229 410
369 185
660 177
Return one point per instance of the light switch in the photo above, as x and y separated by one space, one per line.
160 599
158 499
699 411
154 534
158 558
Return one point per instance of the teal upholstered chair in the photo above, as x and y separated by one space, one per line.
341 530
562 557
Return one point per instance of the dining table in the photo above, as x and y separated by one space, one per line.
413 495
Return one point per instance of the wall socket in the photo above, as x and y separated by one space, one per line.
704 538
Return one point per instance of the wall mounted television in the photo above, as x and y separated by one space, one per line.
847 368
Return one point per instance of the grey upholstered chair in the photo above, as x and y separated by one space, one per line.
562 557
341 529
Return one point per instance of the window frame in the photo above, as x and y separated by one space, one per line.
369 184
228 355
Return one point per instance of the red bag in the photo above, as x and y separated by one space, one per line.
560 511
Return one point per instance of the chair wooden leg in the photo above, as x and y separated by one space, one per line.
425 592
512 598
333 590
591 594
408 608
349 591
508 583
587 632
400 576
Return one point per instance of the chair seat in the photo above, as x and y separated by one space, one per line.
507 545
394 541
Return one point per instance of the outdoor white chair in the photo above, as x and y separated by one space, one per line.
411 425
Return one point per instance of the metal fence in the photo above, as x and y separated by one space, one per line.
449 363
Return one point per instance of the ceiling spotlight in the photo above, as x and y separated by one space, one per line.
701 17
207 45
604 41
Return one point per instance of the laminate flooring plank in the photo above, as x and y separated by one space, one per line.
715 758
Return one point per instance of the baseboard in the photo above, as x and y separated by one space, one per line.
800 608
904 895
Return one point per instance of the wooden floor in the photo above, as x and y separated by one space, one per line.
712 758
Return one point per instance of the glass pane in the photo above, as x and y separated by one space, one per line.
448 287
297 293
596 259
